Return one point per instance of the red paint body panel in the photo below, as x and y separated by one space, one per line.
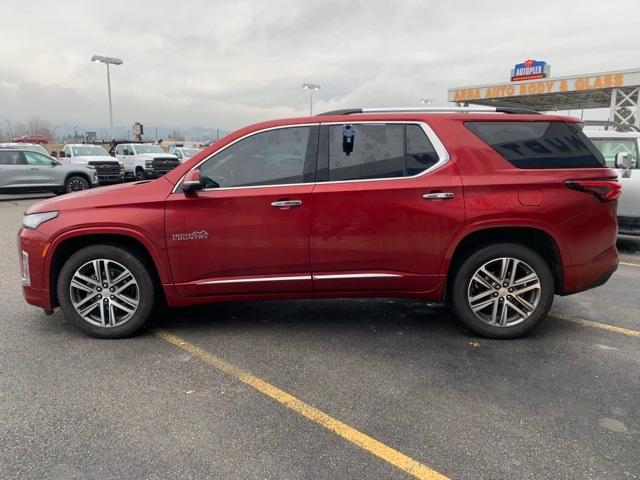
382 227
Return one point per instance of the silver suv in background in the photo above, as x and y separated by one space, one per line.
109 169
22 170
33 147
612 143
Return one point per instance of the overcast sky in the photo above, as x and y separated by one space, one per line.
228 63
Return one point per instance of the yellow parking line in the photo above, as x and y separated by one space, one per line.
602 326
371 445
630 264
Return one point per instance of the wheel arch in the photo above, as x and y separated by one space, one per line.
71 242
534 237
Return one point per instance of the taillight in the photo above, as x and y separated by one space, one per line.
603 190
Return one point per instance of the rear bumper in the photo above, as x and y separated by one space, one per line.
592 274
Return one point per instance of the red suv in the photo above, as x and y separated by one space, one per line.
493 213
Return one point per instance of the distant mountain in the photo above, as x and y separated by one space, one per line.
196 134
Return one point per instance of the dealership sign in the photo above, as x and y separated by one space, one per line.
607 80
530 70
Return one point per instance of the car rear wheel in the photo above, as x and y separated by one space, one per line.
76 183
106 292
503 291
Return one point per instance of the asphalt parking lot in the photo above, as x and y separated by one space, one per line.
322 389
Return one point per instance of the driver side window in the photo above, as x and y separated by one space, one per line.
275 157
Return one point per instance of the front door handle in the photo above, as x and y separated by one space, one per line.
438 196
35 168
286 203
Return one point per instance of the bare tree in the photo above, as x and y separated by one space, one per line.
38 126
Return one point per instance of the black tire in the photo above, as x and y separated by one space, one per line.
76 183
139 174
138 270
461 288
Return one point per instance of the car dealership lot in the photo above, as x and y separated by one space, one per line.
560 403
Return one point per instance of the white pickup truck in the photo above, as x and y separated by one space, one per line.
109 169
143 160
611 143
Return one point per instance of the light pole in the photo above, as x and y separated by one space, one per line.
108 61
426 101
311 87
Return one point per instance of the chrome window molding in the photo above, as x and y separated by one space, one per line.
441 151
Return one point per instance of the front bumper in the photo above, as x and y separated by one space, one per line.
106 179
35 286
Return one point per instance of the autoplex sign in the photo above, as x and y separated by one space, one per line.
530 70
558 85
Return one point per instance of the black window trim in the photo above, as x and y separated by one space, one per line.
440 149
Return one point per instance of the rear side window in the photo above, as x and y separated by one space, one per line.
539 144
12 157
377 150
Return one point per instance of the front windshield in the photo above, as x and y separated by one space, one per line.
89 151
148 149
190 152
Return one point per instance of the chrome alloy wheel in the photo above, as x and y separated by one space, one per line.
504 292
104 293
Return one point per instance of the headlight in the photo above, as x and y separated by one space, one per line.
148 163
34 220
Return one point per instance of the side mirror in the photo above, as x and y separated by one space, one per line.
192 182
623 162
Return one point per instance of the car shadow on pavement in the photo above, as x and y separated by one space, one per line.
327 317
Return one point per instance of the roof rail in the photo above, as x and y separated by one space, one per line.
350 111
618 127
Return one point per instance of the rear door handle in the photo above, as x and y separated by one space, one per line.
35 168
439 196
286 203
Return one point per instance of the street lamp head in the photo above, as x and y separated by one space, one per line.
110 60
310 86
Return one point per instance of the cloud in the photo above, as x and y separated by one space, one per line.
228 63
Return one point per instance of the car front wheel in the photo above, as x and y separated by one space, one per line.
105 291
503 290
76 183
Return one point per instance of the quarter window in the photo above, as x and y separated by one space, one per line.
274 157
539 144
369 151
